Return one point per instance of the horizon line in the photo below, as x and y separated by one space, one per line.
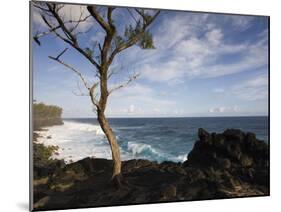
172 117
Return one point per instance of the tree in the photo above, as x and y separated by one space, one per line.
101 55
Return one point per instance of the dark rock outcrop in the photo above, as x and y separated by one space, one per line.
230 164
238 153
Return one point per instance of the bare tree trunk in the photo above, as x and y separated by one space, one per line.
116 174
108 50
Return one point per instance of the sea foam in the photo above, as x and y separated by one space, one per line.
78 140
146 151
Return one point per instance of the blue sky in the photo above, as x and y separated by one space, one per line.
203 65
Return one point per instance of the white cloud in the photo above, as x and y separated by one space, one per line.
187 46
170 71
37 19
253 89
189 51
156 110
68 13
223 109
139 100
196 52
98 37
175 29
131 109
240 22
218 90
214 36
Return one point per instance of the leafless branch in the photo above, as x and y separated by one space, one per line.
80 20
93 11
70 37
113 71
71 68
67 33
131 14
58 7
39 35
61 53
109 16
41 8
110 74
52 29
56 33
81 93
84 32
131 79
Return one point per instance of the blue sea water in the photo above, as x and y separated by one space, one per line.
157 139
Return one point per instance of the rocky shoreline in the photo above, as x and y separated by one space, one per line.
220 165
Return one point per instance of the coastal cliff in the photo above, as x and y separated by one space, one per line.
220 165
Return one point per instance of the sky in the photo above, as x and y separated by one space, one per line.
204 64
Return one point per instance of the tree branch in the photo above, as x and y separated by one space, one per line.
134 39
153 18
147 21
92 94
52 29
79 94
70 67
62 53
109 16
61 23
39 35
71 39
92 10
122 47
80 20
41 8
80 91
131 79
56 33
131 14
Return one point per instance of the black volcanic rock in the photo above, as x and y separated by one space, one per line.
231 148
229 164
236 155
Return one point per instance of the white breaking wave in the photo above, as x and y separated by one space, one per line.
79 140
76 141
84 127
139 148
146 151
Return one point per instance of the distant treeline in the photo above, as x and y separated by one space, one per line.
46 115
42 111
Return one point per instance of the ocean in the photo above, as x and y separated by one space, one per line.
156 139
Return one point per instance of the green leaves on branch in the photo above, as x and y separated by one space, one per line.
118 41
89 52
146 41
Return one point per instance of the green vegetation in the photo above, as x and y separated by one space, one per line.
43 163
43 154
46 115
42 111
